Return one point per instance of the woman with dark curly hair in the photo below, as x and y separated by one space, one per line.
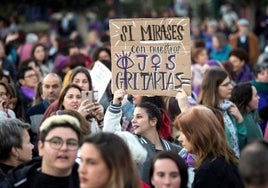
239 59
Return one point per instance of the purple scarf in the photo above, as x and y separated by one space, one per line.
28 92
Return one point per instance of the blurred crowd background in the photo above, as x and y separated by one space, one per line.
32 15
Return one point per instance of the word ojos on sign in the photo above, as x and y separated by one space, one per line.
148 74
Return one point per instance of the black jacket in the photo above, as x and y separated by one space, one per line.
144 168
20 176
217 173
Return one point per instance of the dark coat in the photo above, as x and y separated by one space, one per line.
20 177
217 173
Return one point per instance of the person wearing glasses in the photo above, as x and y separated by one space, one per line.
57 146
216 90
28 80
4 101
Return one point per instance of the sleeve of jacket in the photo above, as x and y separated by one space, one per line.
3 115
112 119
112 124
254 50
241 132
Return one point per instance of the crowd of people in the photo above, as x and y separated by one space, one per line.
51 136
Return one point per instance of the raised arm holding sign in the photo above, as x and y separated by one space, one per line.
151 56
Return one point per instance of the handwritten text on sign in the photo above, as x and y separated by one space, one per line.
150 56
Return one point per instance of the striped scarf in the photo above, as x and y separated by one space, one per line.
233 142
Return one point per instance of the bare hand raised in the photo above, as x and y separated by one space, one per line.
119 96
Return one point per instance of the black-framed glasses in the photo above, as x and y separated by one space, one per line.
57 143
30 76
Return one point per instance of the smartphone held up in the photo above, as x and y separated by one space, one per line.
91 96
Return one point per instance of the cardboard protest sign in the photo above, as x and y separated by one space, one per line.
151 56
101 77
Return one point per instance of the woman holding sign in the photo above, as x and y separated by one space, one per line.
134 100
146 122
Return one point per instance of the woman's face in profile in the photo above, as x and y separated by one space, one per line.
185 143
25 152
141 123
225 89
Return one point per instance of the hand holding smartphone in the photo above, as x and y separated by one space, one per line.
91 96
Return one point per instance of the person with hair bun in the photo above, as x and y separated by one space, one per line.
146 122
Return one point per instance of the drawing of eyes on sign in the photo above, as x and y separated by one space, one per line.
151 56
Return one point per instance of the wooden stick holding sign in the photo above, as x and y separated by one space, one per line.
151 56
